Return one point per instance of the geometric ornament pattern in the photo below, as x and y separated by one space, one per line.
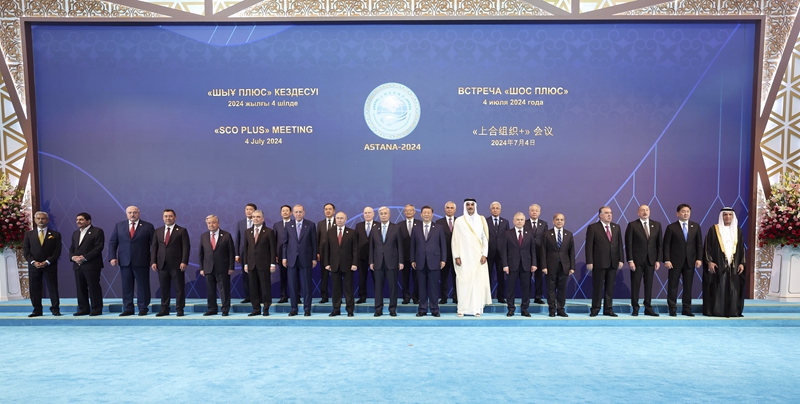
780 144
12 141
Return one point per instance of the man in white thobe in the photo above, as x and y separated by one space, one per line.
470 247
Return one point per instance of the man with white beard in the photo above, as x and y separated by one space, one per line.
470 247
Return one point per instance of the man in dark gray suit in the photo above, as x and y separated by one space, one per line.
217 256
260 250
518 255
169 257
241 228
539 228
497 231
86 254
603 257
558 250
643 249
41 248
339 255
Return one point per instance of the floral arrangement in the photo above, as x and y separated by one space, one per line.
14 215
780 223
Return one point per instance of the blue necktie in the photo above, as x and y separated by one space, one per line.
685 233
558 240
383 233
367 228
299 229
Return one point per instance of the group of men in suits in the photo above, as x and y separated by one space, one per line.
409 253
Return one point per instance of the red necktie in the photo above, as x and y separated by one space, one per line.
608 233
255 235
213 242
133 228
520 237
166 237
340 236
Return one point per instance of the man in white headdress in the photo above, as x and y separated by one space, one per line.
470 247
723 278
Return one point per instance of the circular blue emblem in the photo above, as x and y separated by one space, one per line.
392 111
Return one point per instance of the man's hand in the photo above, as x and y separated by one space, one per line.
544 270
328 267
658 265
483 259
414 265
571 271
458 261
442 264
534 268
740 269
668 264
505 269
371 267
245 269
589 266
285 261
272 268
238 259
230 272
620 264
313 263
401 267
113 262
353 267
632 266
712 267
183 267
698 264
154 267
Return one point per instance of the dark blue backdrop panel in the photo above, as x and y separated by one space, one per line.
655 113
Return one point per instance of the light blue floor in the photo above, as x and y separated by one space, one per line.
399 364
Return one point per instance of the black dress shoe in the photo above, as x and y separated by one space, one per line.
180 313
224 314
254 313
333 314
393 313
349 314
635 313
35 314
416 301
210 313
95 313
552 314
610 314
292 313
501 300
673 314
442 301
378 314
283 300
538 301
124 313
651 313
525 313
510 313
142 312
307 314
420 315
562 314
55 312
455 301
80 313
436 315
406 301
323 301
688 314
162 313
245 301
360 301
266 313
593 314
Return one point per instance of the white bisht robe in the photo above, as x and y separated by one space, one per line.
472 280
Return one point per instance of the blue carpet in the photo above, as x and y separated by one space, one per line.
406 364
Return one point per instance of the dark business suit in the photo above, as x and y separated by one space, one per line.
644 251
133 256
215 263
48 251
605 257
87 274
519 258
363 256
324 284
427 255
238 241
280 235
408 278
299 252
259 255
539 230
168 258
558 261
448 266
494 260
682 253
341 257
385 256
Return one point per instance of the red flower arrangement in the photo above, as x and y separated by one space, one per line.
14 215
780 223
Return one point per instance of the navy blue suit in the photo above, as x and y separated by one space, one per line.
519 258
408 277
448 267
299 253
133 257
280 237
428 255
385 257
493 260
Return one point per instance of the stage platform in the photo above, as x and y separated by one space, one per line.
757 313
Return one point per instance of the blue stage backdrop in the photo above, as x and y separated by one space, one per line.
206 118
